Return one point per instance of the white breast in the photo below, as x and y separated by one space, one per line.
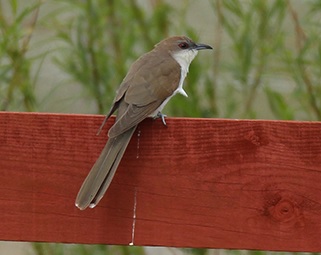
184 59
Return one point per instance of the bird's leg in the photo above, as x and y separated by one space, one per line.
162 116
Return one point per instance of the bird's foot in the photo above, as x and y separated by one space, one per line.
162 116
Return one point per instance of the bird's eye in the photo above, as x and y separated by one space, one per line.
183 45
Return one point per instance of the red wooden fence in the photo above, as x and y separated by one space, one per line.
240 184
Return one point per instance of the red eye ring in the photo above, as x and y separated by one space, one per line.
183 45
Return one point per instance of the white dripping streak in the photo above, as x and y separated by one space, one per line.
138 140
134 218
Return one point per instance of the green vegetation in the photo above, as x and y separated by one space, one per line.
266 61
73 249
17 82
265 64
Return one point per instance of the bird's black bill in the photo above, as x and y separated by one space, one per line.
200 46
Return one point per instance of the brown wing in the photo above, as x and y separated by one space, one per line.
133 116
149 82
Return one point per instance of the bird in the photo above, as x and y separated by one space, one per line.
152 80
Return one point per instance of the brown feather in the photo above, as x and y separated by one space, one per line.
150 81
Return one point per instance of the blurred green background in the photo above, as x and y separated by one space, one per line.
71 55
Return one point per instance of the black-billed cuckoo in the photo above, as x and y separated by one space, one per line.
149 84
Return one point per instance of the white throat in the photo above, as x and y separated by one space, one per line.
184 59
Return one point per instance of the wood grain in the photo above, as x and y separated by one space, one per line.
237 184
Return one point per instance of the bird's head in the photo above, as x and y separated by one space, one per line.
181 48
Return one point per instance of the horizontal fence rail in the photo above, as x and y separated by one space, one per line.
212 183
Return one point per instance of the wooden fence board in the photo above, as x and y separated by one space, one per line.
216 183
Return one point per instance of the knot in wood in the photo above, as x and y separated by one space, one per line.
253 138
284 211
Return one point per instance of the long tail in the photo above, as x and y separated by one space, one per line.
103 171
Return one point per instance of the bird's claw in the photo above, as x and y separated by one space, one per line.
162 116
